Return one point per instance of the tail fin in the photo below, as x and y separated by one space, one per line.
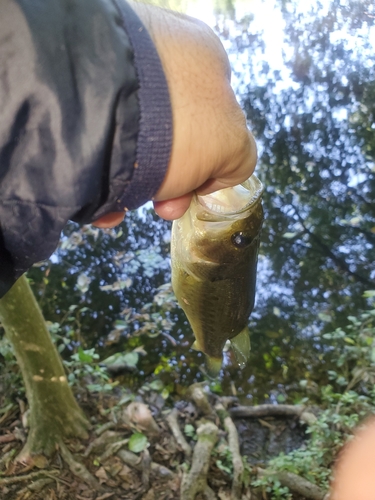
241 347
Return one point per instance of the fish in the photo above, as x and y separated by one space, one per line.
214 254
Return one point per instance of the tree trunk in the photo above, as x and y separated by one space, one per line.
54 413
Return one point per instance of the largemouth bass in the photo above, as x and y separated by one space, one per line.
214 252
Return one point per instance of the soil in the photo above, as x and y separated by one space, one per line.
102 454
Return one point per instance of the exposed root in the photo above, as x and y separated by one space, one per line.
172 420
146 469
78 469
273 411
296 484
7 481
112 449
199 398
196 480
234 447
101 442
36 486
135 461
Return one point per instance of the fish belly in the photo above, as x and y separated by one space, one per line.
217 310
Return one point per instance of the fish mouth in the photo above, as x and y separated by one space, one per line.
229 203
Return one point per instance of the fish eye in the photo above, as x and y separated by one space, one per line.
240 240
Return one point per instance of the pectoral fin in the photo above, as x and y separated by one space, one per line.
241 347
213 365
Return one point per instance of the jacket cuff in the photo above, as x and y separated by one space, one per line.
154 141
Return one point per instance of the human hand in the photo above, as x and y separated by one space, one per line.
212 147
354 475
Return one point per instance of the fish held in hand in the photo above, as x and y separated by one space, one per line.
214 252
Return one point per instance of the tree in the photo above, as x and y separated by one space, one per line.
54 413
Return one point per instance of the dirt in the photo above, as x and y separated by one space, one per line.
50 479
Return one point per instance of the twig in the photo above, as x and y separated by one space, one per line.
196 480
177 433
77 468
234 447
295 483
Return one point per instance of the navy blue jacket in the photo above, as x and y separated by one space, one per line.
85 121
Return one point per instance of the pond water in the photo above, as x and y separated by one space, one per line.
304 74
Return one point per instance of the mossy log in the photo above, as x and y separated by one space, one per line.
54 413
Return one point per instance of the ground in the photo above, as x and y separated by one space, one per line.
103 467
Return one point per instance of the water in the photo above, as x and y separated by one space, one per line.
307 84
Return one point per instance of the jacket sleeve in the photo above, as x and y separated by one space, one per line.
86 122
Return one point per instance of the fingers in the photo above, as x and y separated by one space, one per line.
174 208
110 220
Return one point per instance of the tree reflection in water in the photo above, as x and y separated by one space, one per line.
314 120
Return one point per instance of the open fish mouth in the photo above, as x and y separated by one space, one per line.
231 201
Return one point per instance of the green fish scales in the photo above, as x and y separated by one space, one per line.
214 252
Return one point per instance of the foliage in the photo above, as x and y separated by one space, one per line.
138 442
346 402
84 371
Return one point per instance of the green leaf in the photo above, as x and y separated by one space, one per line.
325 317
369 294
189 430
138 442
83 356
289 236
156 385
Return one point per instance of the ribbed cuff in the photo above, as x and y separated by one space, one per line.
155 127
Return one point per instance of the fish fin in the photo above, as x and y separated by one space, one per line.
241 347
213 366
196 346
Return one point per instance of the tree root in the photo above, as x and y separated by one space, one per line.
199 398
196 480
78 469
176 431
7 481
36 486
234 447
101 442
133 460
274 411
146 469
112 449
296 484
